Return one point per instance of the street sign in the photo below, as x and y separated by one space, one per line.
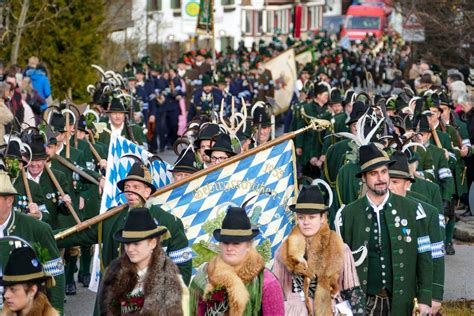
413 30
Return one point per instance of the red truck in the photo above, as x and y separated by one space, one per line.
362 19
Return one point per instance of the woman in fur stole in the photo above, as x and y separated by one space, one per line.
142 281
24 283
313 260
235 282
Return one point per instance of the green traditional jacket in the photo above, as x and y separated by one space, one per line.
434 227
51 195
348 186
311 142
37 233
430 191
21 200
104 137
443 175
425 165
410 248
176 247
335 159
338 123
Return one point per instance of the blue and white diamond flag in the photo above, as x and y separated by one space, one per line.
269 175
117 169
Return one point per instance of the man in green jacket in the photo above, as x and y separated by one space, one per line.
400 182
137 187
118 125
396 264
36 233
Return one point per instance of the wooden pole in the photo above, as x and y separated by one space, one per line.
233 159
92 221
88 223
68 135
27 185
61 192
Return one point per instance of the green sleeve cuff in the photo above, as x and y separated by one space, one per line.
424 296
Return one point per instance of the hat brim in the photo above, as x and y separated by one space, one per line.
118 236
184 169
39 156
398 176
116 111
235 239
294 208
226 150
121 183
387 162
42 279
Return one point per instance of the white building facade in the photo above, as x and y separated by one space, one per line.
166 21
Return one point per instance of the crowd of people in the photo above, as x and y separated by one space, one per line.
378 187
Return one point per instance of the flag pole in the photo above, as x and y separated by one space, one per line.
315 124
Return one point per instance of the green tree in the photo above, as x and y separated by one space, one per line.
64 34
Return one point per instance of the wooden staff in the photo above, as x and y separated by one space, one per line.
93 150
66 163
99 218
61 192
27 185
436 138
68 135
88 223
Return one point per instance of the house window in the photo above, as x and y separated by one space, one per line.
314 17
304 19
278 21
175 4
227 41
154 5
227 2
252 22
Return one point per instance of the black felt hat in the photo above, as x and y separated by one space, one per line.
138 172
236 227
371 157
320 88
358 109
14 152
423 124
186 162
400 169
348 96
335 97
261 117
222 143
310 201
139 225
23 267
38 148
57 121
116 106
82 124
207 132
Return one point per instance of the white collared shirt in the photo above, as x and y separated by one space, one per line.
35 179
117 131
4 225
378 208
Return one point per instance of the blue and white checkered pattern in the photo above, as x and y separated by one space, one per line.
437 250
54 267
269 175
442 223
117 169
424 244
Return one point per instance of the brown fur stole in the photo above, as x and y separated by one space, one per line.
234 281
325 252
41 307
162 287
